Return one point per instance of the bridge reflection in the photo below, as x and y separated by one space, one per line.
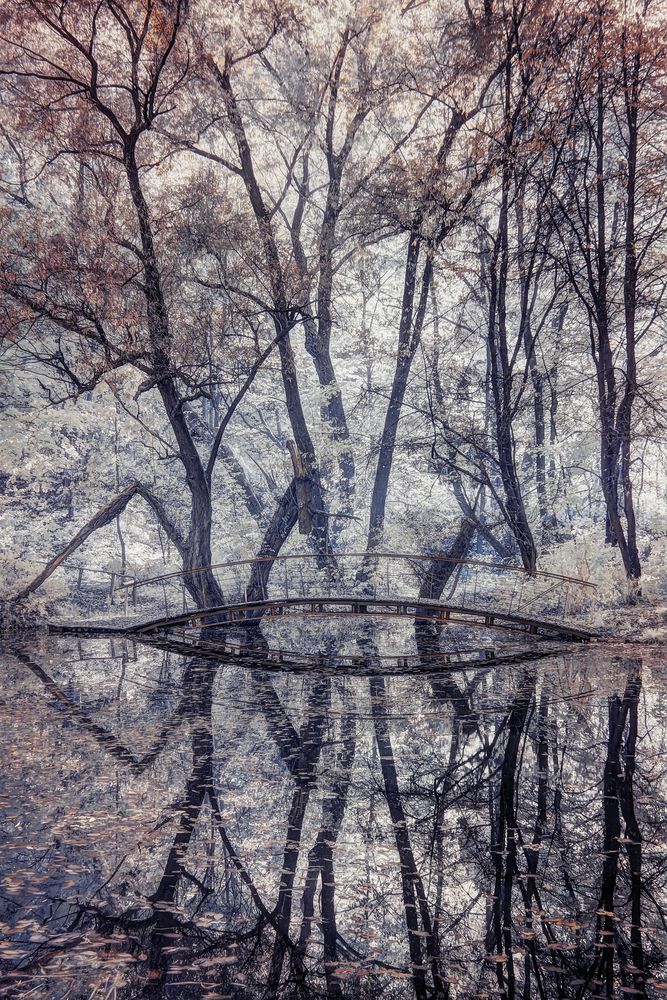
226 833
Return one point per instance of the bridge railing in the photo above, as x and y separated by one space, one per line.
471 583
89 588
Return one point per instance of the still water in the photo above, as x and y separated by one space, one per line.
178 827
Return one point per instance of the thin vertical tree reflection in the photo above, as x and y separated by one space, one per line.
231 833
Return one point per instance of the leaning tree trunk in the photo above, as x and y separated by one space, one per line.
409 336
440 571
277 532
105 515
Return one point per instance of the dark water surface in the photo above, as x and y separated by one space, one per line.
176 827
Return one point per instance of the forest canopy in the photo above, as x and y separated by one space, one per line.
338 275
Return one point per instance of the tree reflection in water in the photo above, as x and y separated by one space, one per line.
180 828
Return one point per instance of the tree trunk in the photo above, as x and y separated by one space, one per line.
284 317
414 897
318 331
196 552
501 385
101 518
409 335
624 419
304 771
504 835
320 858
616 423
527 279
439 571
278 531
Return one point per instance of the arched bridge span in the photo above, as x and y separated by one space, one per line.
251 613
472 593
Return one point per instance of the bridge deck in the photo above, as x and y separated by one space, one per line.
252 612
528 608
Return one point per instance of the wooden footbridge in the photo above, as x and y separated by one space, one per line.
478 594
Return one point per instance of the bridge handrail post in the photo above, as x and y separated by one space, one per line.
518 603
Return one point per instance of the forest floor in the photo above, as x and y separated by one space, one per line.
644 622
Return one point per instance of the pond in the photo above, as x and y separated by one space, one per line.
175 827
